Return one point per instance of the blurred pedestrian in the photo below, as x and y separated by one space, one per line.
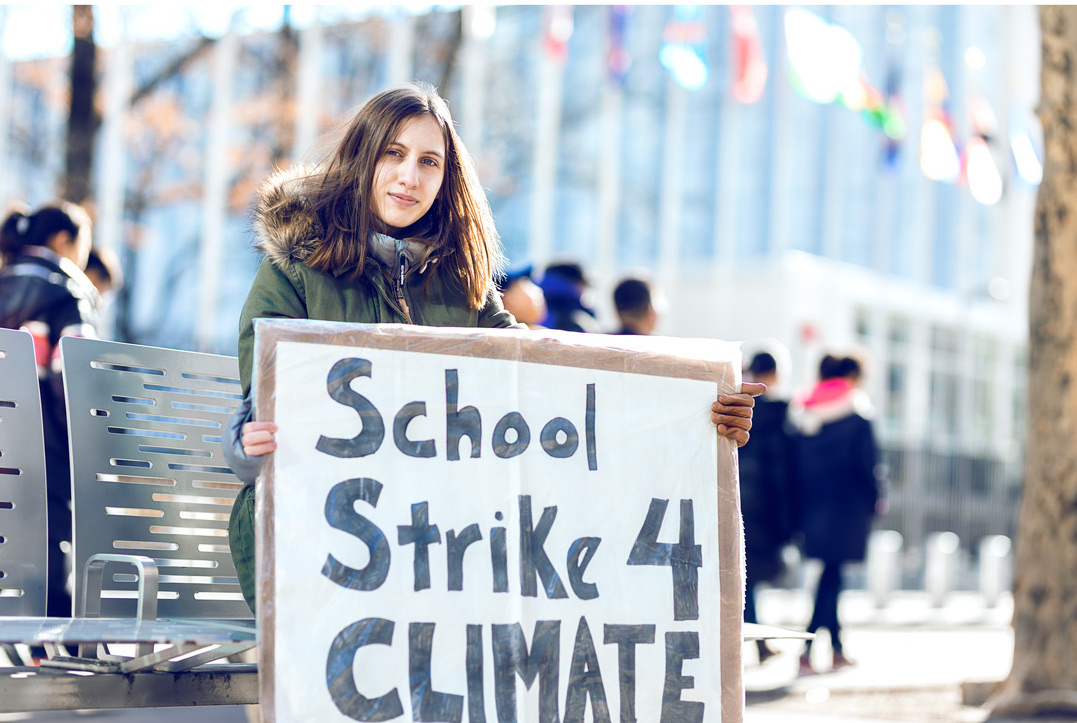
565 286
44 290
634 302
103 270
837 489
522 297
392 226
766 494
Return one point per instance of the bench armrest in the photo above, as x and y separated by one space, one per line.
93 576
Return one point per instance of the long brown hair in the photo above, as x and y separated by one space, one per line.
459 225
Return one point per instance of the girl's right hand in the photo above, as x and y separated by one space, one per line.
258 438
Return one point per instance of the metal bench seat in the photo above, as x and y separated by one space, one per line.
23 558
78 631
179 638
157 598
158 644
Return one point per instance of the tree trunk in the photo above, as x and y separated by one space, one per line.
1044 673
287 62
455 41
84 119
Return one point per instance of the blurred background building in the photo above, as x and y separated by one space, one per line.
827 177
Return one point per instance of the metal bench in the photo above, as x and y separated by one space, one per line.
151 498
23 558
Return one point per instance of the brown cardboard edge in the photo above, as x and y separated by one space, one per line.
481 343
265 354
731 579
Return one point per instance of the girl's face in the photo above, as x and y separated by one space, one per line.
409 174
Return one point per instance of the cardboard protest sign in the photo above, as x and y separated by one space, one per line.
466 525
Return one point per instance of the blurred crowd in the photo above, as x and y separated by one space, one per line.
561 299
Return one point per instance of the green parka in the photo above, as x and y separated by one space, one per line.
408 291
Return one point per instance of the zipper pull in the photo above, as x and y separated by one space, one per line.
400 289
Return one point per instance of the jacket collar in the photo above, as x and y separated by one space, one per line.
389 250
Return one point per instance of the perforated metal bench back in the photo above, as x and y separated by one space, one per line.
149 476
23 534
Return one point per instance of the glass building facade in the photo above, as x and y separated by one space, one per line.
785 219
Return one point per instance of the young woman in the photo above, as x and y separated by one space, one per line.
392 227
44 291
837 486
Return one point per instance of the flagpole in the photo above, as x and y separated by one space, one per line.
609 180
683 53
836 153
887 184
669 224
547 127
401 46
726 187
215 189
309 88
478 26
6 77
782 167
609 170
965 273
923 227
111 194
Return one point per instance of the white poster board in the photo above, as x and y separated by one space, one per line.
455 536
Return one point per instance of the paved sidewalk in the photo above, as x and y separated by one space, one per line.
911 659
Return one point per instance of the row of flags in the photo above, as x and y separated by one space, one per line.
825 67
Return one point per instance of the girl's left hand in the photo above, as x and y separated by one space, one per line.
732 413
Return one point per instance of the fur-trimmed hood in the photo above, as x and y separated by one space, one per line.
827 402
285 228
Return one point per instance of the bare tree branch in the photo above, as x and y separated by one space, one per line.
455 41
172 69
